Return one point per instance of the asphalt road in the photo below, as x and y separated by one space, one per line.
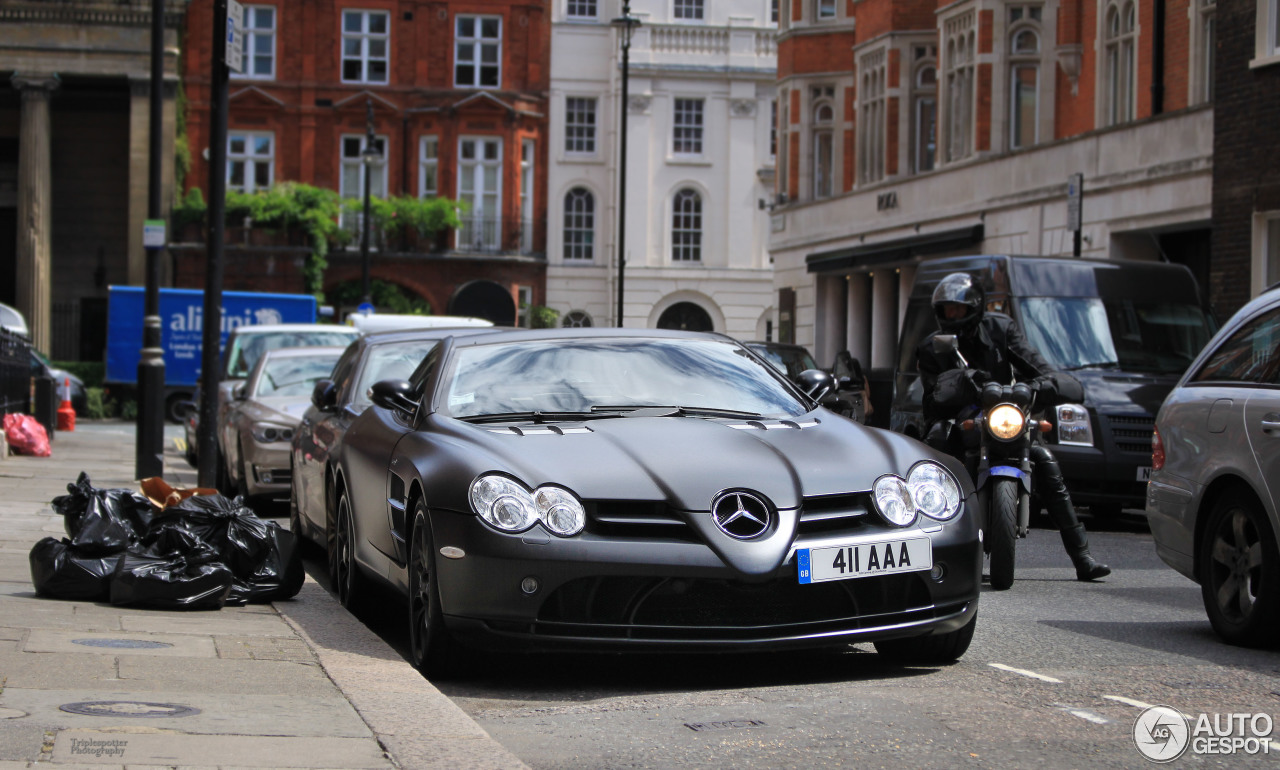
1056 676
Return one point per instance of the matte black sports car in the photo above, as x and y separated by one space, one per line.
625 489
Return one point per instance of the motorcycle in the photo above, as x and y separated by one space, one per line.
996 436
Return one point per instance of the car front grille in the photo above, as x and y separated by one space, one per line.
1130 433
819 515
641 608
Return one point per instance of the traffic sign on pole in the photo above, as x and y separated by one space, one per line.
235 36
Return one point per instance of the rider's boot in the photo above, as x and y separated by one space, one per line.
1077 544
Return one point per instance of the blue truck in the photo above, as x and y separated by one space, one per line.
181 333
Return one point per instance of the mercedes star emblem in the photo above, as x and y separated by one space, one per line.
740 515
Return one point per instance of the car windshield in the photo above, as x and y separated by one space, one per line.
1079 332
246 349
789 361
576 375
294 375
395 360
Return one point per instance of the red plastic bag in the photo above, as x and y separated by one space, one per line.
26 436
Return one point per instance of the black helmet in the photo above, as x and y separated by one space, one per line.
958 290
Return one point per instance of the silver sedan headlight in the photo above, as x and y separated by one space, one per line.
508 505
271 433
928 489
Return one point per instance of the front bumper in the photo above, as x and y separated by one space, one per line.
608 593
267 469
1108 478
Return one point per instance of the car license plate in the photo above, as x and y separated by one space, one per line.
843 562
1144 474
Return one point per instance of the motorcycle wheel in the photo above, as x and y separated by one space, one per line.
1003 532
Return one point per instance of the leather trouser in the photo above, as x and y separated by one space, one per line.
1051 488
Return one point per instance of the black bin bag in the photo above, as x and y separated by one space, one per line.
60 571
279 575
168 582
102 521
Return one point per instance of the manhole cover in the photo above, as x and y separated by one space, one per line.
122 644
126 708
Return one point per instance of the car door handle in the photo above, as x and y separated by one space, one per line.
1270 421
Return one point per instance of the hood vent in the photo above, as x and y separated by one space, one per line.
541 430
773 424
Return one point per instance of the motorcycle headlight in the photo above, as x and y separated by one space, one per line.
1074 428
507 505
929 489
935 493
270 433
1006 421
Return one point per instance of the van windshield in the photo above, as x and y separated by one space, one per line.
1079 332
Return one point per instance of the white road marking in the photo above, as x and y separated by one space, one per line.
1024 672
1141 704
1088 716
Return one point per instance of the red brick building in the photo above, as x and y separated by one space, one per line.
459 93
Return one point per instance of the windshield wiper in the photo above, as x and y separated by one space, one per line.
661 410
1098 365
534 417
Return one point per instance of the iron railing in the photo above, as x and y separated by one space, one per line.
15 373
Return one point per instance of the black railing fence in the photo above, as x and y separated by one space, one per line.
15 373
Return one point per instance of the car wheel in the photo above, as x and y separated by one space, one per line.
295 514
242 478
929 650
344 571
173 410
432 650
1240 572
1003 532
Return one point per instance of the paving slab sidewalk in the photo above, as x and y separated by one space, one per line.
295 684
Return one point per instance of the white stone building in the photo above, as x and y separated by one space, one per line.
700 161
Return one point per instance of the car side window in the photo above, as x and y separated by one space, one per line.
1251 355
342 372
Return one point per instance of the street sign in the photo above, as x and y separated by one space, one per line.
1075 191
235 36
365 308
153 234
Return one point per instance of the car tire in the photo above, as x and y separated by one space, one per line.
344 569
295 513
173 410
929 650
242 478
1240 572
432 650
1003 532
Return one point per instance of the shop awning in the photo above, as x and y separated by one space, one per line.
898 250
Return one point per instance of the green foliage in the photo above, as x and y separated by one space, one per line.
129 410
91 373
293 204
404 213
181 159
543 317
387 297
191 210
102 407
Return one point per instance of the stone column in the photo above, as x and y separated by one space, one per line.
34 290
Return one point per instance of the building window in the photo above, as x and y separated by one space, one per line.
961 41
527 153
259 42
480 188
1024 84
250 160
773 129
871 116
477 52
686 227
823 155
579 224
1270 249
580 125
581 9
1203 44
1268 35
687 131
826 9
576 319
924 108
781 181
352 180
773 11
428 167
1120 69
687 9
366 38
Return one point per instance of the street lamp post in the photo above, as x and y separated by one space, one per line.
368 158
626 24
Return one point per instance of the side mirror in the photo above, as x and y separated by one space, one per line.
815 383
324 395
945 343
396 395
240 392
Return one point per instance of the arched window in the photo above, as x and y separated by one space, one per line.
823 151
686 226
959 64
1121 63
872 70
576 319
686 316
924 110
1024 87
579 224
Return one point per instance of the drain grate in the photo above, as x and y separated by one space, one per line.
122 644
130 709
733 724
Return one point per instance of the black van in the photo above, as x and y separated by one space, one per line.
1126 329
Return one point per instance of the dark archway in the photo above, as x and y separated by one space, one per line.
686 316
484 299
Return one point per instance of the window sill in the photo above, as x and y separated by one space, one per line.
688 160
583 159
1264 61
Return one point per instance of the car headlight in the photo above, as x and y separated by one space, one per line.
507 505
270 433
1006 421
1074 428
928 489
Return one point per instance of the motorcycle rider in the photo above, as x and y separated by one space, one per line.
996 351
